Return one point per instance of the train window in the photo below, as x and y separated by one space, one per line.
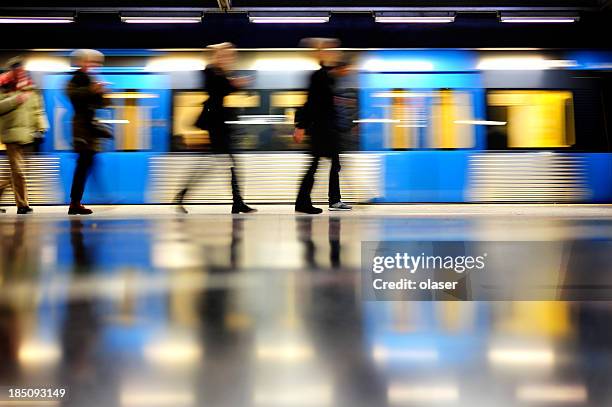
187 107
533 119
414 119
263 119
242 100
283 105
288 99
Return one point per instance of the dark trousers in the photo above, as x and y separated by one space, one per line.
303 198
81 172
204 167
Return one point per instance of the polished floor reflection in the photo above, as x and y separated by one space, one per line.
266 310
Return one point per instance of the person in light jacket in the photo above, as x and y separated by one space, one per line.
22 120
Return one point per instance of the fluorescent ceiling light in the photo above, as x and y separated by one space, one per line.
414 18
289 18
36 20
538 18
161 20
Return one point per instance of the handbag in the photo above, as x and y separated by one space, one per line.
102 130
203 120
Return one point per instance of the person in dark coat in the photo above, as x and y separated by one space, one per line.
86 96
319 117
215 118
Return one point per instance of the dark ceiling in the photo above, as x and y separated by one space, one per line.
329 4
412 3
476 26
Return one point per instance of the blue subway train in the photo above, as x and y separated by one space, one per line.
432 126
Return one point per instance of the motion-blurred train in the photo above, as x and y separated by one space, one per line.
432 126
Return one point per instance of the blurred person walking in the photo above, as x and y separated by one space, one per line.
86 96
22 121
319 118
215 117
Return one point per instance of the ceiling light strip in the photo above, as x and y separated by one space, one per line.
161 20
35 20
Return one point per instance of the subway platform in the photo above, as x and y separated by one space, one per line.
141 306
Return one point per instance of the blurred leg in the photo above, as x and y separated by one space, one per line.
5 182
303 198
205 167
15 156
334 180
238 205
81 172
236 197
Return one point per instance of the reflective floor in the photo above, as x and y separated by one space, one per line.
137 306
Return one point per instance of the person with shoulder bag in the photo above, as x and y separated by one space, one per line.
215 117
86 96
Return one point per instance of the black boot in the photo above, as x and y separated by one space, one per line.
308 209
78 209
239 205
24 210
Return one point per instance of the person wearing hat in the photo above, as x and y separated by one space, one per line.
319 118
22 119
86 96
